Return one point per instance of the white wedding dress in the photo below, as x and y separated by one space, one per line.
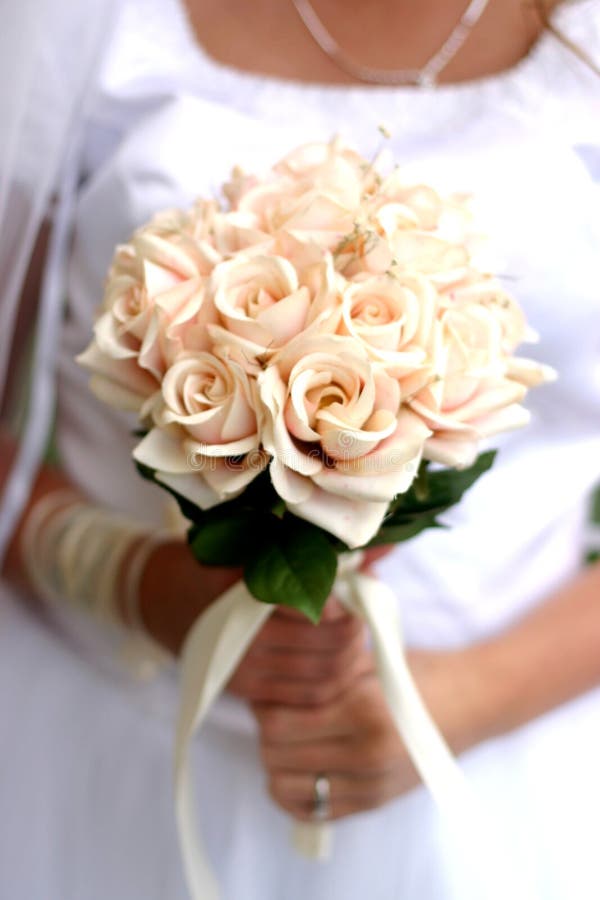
86 810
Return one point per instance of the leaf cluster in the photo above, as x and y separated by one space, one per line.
291 562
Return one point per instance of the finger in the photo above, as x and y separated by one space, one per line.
281 725
326 755
315 710
350 755
278 691
286 633
305 665
294 792
347 745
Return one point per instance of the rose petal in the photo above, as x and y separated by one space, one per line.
394 453
353 521
507 419
228 479
118 382
162 451
285 319
455 453
276 438
530 373
193 487
113 344
160 252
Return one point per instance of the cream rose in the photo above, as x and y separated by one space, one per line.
342 446
191 231
485 291
314 194
263 302
233 232
392 315
155 305
400 205
206 441
468 395
408 205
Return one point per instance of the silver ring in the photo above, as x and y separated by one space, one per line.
321 798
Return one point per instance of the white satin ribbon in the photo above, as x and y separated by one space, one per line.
211 653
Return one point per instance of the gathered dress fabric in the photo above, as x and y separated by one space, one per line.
86 801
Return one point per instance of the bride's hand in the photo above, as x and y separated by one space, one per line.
353 740
293 662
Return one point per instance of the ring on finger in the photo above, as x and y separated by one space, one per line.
321 810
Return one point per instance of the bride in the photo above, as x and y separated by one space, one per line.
113 111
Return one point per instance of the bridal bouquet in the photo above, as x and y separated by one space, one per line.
314 364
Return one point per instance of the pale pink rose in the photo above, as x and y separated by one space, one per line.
309 214
399 205
330 167
259 298
155 305
376 246
233 232
263 303
363 251
468 395
482 290
443 262
413 205
205 443
342 446
314 194
190 230
117 381
393 315
421 231
326 288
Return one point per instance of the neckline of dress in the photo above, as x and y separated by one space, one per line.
245 79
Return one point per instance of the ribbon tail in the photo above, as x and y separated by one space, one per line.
482 848
376 603
313 840
211 653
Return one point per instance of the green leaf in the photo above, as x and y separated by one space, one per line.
434 492
397 530
260 495
431 493
229 537
296 568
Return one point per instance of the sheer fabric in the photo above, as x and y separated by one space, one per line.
48 51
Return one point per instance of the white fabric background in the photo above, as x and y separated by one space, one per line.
85 777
